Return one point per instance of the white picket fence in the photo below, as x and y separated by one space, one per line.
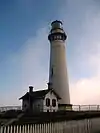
43 128
79 126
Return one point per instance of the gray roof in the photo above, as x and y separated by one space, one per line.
38 94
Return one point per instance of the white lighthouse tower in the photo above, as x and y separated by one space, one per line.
58 69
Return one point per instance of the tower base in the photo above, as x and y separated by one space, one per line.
65 107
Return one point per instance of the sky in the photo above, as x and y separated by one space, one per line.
25 49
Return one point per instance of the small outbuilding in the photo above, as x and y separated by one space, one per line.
42 100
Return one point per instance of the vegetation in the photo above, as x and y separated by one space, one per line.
42 117
10 114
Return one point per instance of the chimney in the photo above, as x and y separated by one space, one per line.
30 89
49 86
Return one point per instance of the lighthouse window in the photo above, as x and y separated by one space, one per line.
53 102
51 72
47 102
57 37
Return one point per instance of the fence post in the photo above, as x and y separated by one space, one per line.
79 107
97 107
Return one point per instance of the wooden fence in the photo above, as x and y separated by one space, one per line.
80 126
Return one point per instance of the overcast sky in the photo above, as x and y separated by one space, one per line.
25 49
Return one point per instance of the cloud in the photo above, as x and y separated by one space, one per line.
85 54
86 91
28 66
34 58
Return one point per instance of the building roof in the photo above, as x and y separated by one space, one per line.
38 94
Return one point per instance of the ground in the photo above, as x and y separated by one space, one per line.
45 117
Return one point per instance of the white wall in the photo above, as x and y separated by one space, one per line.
38 105
50 108
60 77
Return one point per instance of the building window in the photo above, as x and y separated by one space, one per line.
47 102
25 105
55 37
53 102
51 72
47 110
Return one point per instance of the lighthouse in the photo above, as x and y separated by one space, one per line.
58 76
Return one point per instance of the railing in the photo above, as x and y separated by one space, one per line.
74 108
5 108
86 107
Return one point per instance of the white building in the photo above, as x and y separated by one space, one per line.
43 100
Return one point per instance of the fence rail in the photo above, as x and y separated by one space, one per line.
74 108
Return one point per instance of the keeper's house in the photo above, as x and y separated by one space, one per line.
43 100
